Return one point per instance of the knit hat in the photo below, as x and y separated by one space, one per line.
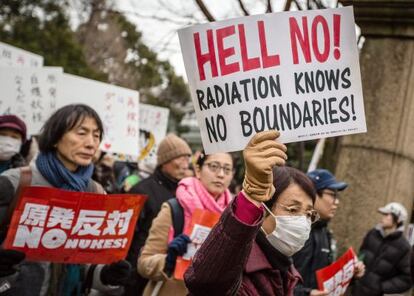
15 123
170 148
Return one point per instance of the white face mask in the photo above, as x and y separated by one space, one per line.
290 234
9 147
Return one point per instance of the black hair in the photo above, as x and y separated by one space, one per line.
395 220
62 121
283 177
203 157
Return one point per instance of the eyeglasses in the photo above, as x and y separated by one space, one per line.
334 194
296 211
216 167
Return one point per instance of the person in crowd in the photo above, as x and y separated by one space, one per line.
386 254
173 156
104 172
12 137
67 143
208 190
412 265
319 249
248 252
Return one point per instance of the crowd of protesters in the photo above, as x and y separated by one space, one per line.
271 237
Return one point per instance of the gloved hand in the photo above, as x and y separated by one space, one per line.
116 274
261 154
177 247
8 261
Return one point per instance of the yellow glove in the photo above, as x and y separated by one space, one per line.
261 154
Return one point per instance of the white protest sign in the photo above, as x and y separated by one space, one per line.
118 108
297 72
11 56
29 93
153 122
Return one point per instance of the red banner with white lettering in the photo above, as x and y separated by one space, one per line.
62 226
201 224
336 277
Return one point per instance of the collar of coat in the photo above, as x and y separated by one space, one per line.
396 233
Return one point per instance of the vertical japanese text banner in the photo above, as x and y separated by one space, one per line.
297 72
30 93
55 225
118 108
11 56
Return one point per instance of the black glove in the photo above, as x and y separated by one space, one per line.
8 261
177 247
116 274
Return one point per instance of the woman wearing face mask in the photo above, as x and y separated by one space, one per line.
67 142
208 190
12 136
247 252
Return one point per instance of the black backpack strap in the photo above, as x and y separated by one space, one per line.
24 181
177 213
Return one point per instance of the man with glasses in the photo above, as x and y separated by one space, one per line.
319 250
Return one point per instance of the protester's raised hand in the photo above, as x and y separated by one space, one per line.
261 154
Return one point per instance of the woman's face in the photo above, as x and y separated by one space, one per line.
291 202
78 146
216 173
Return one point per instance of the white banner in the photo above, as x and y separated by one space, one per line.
11 56
29 93
153 122
297 72
118 108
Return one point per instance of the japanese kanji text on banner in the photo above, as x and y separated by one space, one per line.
72 227
336 277
297 72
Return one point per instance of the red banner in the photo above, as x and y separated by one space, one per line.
55 225
336 277
201 224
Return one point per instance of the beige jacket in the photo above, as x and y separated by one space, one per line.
151 262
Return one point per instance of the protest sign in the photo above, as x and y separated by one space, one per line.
297 72
118 108
201 224
336 277
11 56
54 225
29 93
153 122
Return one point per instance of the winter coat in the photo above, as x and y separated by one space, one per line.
237 259
315 254
151 262
191 195
387 261
16 161
159 188
43 278
412 265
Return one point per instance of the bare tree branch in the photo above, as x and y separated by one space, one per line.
205 10
298 5
243 8
287 5
269 6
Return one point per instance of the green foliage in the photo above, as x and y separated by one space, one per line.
40 26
